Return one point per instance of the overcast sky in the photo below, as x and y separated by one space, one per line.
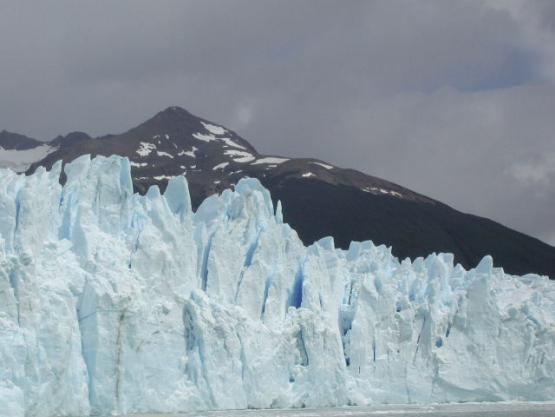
453 99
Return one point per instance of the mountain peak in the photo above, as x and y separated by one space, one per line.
174 112
11 140
70 139
172 116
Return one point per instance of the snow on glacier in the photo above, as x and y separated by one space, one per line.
112 302
20 160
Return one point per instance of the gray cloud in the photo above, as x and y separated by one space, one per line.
452 99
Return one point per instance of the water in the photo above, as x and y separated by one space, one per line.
436 410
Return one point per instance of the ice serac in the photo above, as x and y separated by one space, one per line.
112 302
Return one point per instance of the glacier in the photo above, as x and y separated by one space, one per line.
112 302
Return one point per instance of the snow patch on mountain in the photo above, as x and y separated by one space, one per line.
114 303
220 166
161 177
164 154
270 160
215 130
191 153
204 137
138 164
323 165
145 148
232 143
378 190
239 156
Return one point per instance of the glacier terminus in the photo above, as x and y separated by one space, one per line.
112 302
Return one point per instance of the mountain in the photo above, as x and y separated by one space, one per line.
113 303
70 139
19 151
17 142
214 158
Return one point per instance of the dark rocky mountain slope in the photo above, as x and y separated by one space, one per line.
318 199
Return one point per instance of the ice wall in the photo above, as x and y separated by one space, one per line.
111 302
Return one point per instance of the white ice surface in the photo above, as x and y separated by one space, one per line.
111 302
19 161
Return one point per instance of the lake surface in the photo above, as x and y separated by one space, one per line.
443 410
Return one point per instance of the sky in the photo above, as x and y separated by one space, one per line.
453 99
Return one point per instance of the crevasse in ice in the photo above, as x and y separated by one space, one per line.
112 302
